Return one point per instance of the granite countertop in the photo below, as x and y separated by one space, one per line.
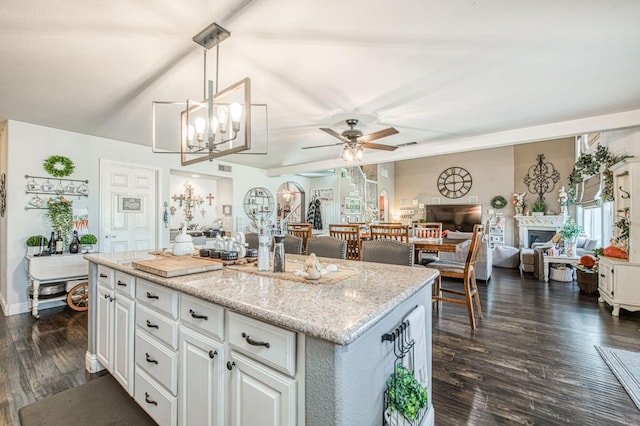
339 312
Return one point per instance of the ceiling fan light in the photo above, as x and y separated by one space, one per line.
359 153
347 154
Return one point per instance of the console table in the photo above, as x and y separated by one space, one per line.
557 259
54 268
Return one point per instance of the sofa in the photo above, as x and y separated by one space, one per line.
484 265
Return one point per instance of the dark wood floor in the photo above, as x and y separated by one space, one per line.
531 361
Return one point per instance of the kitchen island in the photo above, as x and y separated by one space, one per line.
289 351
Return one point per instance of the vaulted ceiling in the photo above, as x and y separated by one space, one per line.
449 75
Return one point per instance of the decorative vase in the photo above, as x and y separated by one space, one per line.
183 244
537 213
571 248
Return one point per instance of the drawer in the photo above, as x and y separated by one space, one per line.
157 325
203 316
155 400
125 284
157 360
267 343
105 275
160 298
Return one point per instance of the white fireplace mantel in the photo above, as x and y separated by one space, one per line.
545 223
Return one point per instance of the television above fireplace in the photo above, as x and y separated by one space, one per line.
455 217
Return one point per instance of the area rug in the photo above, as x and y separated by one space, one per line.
100 402
625 365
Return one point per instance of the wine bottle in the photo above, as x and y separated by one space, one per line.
51 247
74 247
59 243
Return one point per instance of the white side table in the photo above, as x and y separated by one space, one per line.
573 260
53 268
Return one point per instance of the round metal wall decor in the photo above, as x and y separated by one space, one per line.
258 203
454 182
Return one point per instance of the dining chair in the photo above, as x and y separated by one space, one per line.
430 230
302 230
292 244
350 233
387 251
467 272
396 232
327 247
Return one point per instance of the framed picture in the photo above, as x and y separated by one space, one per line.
130 204
226 209
352 205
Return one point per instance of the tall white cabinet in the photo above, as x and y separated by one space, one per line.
617 284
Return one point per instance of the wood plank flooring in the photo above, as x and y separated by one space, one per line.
530 362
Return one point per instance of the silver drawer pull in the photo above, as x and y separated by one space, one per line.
150 360
252 342
197 315
149 400
152 325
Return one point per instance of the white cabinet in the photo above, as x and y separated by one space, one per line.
616 277
202 384
156 352
262 362
115 326
617 284
260 395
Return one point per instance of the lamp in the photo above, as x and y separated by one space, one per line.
352 152
216 126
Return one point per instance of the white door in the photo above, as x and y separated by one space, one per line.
128 207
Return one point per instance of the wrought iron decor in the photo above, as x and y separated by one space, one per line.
541 178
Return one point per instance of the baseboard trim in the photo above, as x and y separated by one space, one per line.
92 364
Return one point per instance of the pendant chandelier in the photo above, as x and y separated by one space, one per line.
218 125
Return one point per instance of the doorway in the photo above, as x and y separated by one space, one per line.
290 203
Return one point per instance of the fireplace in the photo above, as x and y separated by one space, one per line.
538 228
539 236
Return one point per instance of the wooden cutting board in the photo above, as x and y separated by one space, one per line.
174 266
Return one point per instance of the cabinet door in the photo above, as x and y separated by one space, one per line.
605 279
201 381
626 285
104 327
124 329
260 395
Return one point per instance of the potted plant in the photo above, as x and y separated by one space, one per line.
570 232
405 394
34 243
87 241
539 207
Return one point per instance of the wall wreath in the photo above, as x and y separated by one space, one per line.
58 166
498 202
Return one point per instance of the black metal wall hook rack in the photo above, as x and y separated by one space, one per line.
56 178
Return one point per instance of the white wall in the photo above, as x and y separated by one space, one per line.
29 145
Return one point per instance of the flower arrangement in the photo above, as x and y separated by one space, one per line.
571 230
60 215
370 215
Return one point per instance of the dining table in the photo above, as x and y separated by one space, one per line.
436 245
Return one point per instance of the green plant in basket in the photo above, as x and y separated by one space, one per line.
88 239
37 241
405 393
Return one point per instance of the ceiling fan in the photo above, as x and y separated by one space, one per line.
354 141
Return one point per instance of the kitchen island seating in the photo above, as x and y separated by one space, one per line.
467 272
429 230
251 239
387 251
293 244
390 232
302 230
327 247
350 233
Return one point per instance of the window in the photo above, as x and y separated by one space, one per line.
597 222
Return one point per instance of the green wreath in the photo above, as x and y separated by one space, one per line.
58 166
498 202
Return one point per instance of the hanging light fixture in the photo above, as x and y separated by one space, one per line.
216 126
